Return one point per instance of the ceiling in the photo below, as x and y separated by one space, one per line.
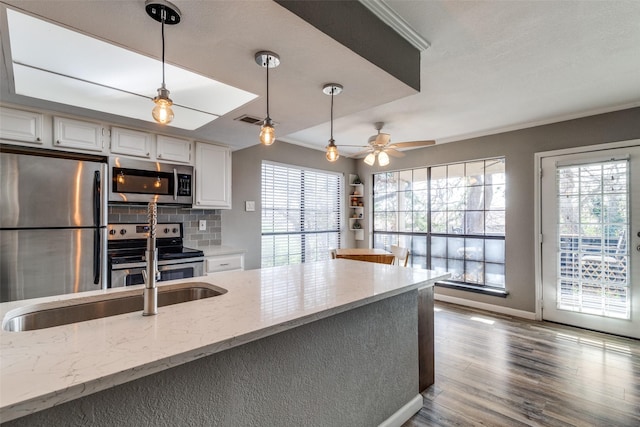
491 66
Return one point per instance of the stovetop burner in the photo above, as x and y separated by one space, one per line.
127 243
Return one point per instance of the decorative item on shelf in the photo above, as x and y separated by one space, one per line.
356 180
332 150
165 13
357 225
267 60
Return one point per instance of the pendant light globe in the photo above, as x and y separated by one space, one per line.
267 132
332 151
162 112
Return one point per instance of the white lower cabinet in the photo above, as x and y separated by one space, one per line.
213 176
19 125
217 263
77 134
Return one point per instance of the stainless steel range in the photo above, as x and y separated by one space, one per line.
126 247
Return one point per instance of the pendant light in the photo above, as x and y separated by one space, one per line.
267 60
332 150
165 13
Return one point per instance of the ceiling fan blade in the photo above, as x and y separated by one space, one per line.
393 152
382 139
410 144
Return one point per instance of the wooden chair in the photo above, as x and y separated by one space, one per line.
401 255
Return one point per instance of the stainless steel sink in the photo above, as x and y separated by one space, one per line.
53 314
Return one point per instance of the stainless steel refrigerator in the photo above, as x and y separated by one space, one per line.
53 217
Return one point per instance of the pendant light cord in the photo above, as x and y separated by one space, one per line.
332 90
268 60
163 17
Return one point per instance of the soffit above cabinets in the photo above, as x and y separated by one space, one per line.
57 64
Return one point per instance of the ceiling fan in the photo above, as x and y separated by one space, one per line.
380 146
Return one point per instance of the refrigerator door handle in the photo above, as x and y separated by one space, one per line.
96 256
96 198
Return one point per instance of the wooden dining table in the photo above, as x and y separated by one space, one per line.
364 254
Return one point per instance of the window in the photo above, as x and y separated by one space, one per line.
301 212
451 217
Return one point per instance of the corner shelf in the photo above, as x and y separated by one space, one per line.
356 206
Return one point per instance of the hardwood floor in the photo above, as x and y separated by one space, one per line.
495 370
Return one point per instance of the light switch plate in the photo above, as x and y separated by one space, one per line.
249 206
202 225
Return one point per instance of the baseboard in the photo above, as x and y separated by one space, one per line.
488 307
403 414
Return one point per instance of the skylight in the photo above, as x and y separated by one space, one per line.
60 65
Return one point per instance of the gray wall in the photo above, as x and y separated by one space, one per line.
353 369
242 229
193 238
518 148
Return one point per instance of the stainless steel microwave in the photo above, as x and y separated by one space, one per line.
139 181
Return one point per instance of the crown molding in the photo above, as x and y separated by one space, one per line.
396 22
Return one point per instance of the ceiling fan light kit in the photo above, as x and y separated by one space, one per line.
332 89
370 159
380 147
267 59
165 13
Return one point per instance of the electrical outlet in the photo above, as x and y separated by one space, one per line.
202 225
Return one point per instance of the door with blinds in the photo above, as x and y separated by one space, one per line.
590 215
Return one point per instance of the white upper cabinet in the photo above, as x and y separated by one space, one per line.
173 149
131 142
18 125
77 134
213 176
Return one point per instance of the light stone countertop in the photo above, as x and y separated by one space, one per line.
42 368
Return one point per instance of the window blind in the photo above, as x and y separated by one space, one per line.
301 214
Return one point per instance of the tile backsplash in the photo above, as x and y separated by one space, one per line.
188 217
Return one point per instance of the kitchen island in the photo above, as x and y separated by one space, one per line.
326 343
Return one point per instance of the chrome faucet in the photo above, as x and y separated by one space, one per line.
151 274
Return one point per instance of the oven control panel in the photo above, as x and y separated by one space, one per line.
141 231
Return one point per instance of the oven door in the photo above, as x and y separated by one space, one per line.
132 274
